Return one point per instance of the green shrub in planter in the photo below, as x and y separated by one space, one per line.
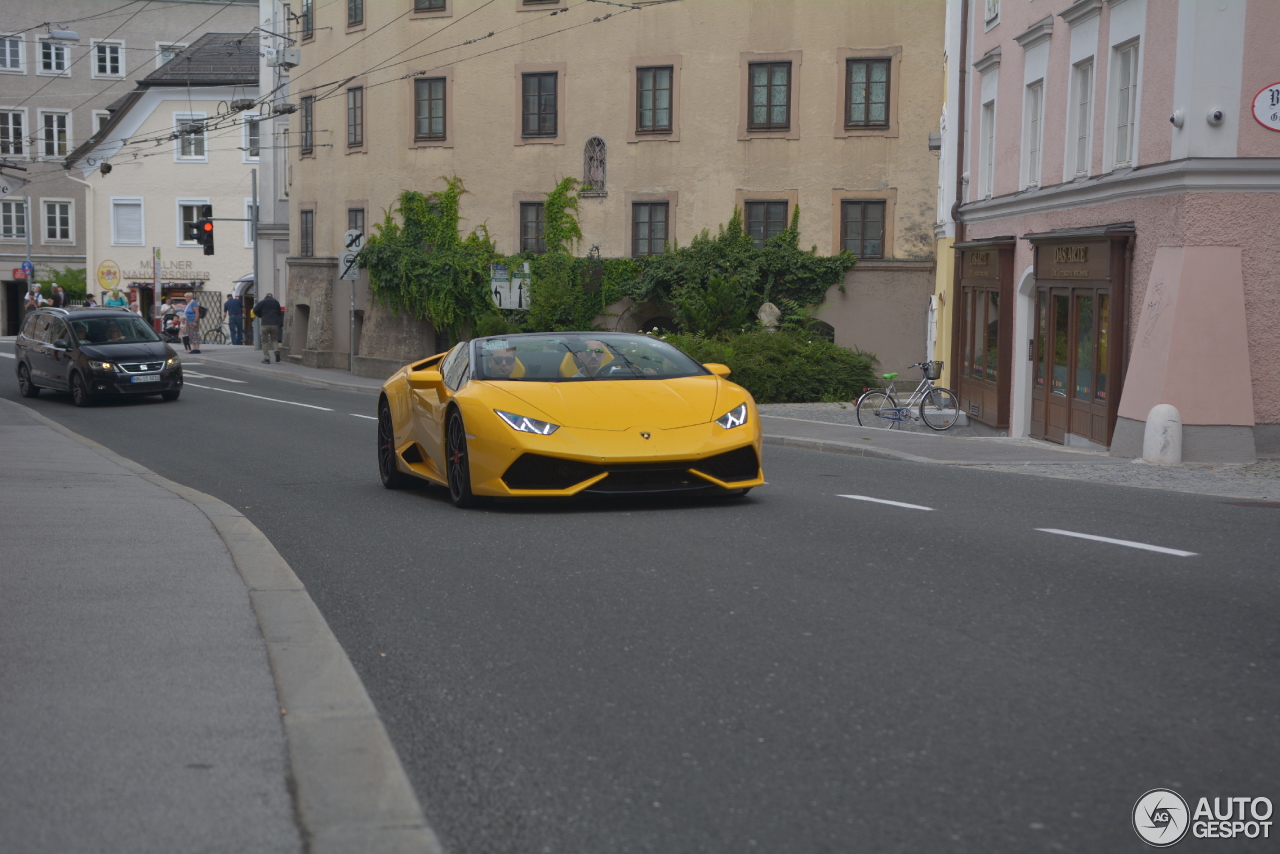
788 366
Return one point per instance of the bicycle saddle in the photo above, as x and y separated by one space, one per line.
889 376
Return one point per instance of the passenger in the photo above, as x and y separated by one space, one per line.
501 364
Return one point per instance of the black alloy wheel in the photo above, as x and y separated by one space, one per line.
458 463
25 386
392 477
170 395
80 391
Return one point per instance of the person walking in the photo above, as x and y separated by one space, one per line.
58 299
192 328
269 312
234 310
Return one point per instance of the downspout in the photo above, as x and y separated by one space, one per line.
962 155
90 220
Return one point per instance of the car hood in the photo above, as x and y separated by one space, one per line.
123 352
621 404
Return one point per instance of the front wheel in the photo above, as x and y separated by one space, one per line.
392 477
80 391
940 409
25 386
459 463
877 409
170 395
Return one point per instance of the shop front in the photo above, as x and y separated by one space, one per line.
982 340
1078 352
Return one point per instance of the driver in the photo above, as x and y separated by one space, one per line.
114 333
591 361
501 364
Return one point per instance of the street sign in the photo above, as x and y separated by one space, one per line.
1266 107
353 240
19 273
510 288
347 266
28 267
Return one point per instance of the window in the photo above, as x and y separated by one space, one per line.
308 19
428 5
765 220
252 138
57 221
306 143
126 223
191 136
986 152
355 117
429 108
188 213
1126 92
106 59
166 53
867 87
539 104
250 216
533 227
53 57
862 228
307 234
649 228
653 99
1081 119
53 134
355 219
993 11
11 53
1033 115
100 119
11 129
770 96
13 220
355 12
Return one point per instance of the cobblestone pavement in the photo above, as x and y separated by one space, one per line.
1258 481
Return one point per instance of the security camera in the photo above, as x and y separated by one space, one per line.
1215 117
1176 119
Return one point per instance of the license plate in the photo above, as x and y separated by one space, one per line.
149 378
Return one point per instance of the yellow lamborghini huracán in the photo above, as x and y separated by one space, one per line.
562 413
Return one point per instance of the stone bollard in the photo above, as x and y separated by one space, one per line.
1162 438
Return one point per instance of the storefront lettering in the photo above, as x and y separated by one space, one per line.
1071 254
979 259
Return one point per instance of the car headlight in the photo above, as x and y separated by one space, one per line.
101 366
173 361
524 424
735 417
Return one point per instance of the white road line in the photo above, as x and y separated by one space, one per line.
259 397
212 377
8 355
1130 543
886 501
370 417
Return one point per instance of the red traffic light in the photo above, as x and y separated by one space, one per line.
206 227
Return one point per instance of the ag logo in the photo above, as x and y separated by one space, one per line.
1160 818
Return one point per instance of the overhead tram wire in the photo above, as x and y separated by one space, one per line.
24 30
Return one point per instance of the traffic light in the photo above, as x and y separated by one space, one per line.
204 229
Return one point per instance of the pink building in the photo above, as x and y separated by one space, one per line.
1119 236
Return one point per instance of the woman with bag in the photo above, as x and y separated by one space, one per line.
193 322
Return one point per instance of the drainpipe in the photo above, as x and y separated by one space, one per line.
962 153
90 277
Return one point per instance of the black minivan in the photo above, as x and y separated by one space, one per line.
94 353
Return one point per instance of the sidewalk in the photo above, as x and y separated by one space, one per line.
166 683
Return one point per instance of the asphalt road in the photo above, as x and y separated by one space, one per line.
793 672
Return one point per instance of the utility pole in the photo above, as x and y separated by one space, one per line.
253 229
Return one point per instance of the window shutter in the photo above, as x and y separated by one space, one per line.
128 223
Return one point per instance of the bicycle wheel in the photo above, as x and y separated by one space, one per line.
876 409
217 336
940 409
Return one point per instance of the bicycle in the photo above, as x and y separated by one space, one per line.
936 406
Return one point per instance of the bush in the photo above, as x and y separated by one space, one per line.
789 366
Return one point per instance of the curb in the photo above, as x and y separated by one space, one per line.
351 792
830 447
282 374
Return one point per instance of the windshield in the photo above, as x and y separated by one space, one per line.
580 357
113 330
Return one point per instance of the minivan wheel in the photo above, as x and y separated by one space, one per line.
79 391
25 386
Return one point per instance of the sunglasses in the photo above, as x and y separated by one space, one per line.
593 352
504 360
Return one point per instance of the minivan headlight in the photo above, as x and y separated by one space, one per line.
735 417
101 366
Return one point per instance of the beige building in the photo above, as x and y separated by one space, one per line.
675 112
170 147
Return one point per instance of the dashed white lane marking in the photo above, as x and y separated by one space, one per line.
370 417
8 355
212 377
886 501
1130 543
260 397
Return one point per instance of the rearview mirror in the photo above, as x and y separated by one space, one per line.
424 380
718 369
61 344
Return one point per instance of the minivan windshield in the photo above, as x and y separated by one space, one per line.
113 330
580 357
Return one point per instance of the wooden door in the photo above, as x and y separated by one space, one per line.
1040 365
1058 359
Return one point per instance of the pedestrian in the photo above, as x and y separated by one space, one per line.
34 299
90 302
58 299
234 309
192 328
272 317
116 299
